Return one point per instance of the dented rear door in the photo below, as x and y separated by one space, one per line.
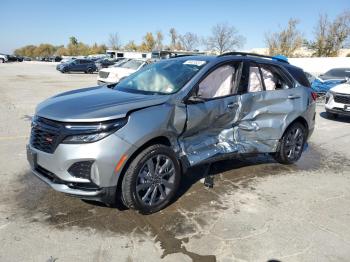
267 113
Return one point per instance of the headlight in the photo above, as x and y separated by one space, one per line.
88 133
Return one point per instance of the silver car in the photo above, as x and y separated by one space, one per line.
132 142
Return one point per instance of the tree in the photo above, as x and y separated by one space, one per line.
159 40
114 41
173 37
73 40
224 38
148 43
286 42
131 46
330 37
189 41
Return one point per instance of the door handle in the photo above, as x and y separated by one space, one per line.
293 97
232 105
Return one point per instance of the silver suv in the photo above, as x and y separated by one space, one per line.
133 141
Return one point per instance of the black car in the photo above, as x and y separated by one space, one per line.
77 65
336 73
105 62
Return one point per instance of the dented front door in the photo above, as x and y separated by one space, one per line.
210 124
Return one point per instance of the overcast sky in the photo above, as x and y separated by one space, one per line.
43 21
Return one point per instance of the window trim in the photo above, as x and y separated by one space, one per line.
285 75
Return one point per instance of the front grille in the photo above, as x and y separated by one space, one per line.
81 169
44 135
343 99
103 74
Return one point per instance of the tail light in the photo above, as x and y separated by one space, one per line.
314 95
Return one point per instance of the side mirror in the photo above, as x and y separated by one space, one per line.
195 99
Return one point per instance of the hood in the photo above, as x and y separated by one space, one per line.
342 88
95 104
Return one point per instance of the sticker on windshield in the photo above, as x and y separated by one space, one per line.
194 62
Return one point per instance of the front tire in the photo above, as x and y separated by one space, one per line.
331 115
151 180
2 60
292 144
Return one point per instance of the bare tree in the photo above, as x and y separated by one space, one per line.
159 40
286 42
114 41
189 41
330 37
173 36
224 38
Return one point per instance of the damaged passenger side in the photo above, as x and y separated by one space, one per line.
210 119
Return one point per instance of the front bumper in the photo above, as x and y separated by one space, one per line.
105 155
337 108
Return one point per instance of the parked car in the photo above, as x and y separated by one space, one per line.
336 74
3 58
77 65
134 141
114 74
67 59
55 59
105 62
338 100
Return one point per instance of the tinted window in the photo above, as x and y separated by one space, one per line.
298 75
339 72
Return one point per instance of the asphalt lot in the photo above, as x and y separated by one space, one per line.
258 210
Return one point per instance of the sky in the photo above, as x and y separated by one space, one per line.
24 22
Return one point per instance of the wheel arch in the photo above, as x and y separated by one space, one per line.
299 119
163 140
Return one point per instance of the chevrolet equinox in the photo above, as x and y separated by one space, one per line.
134 140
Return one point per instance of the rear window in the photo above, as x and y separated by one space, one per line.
298 75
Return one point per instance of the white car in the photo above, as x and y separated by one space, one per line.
3 58
115 73
338 100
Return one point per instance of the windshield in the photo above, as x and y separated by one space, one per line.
339 72
161 78
132 64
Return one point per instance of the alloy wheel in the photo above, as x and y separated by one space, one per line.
155 180
294 143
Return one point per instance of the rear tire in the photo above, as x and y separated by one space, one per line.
2 61
90 70
151 180
292 144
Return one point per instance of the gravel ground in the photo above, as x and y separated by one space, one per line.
258 210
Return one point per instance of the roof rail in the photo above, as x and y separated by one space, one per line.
277 58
